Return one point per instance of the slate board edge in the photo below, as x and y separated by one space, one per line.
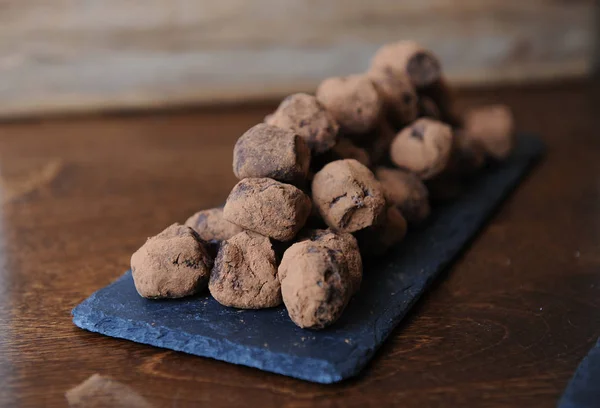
328 372
582 390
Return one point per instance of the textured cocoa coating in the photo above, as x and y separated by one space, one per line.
353 101
408 58
245 273
172 264
269 151
398 94
347 195
314 284
405 191
268 207
211 226
376 240
345 246
304 115
493 127
423 148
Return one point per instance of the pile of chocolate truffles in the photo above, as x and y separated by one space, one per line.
325 181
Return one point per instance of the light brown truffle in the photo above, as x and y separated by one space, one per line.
268 207
493 127
423 148
172 264
408 58
304 115
347 195
269 151
345 246
378 239
398 94
245 273
353 101
211 226
405 191
314 284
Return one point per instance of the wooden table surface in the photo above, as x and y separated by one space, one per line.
506 326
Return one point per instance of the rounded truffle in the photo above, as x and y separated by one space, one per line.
442 95
345 246
347 195
268 207
353 101
269 151
398 94
379 238
493 127
172 264
211 226
423 148
314 284
304 115
405 191
468 155
245 273
408 58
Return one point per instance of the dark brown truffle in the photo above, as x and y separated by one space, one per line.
408 58
376 240
304 115
377 143
428 108
268 207
353 101
443 96
423 148
211 226
398 94
468 155
245 273
344 149
269 151
405 191
493 127
347 195
314 284
172 264
345 246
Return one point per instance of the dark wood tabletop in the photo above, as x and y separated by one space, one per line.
505 326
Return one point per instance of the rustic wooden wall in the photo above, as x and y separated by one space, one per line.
71 55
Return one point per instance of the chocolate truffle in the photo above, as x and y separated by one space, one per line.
344 149
211 226
493 127
408 58
314 284
304 115
353 101
172 264
347 195
245 273
398 94
268 207
345 246
405 191
442 95
269 151
467 156
423 148
376 240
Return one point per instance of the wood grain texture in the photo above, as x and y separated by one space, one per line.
506 326
76 55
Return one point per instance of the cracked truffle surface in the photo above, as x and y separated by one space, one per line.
347 195
172 264
245 273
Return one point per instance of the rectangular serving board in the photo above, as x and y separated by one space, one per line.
267 339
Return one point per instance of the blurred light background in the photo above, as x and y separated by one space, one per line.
85 55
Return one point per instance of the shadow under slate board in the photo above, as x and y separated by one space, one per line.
267 339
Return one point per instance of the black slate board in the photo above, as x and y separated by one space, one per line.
268 340
583 390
